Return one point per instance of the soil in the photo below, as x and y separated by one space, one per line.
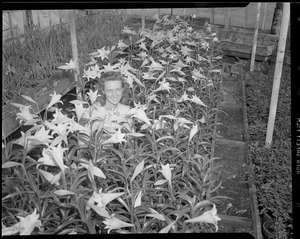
234 182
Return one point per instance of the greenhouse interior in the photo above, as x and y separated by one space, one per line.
151 120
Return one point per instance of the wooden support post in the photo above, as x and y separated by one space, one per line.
24 21
38 18
264 17
60 20
171 12
74 46
183 11
29 21
10 25
143 18
159 12
49 15
275 27
227 17
245 16
212 16
255 38
278 70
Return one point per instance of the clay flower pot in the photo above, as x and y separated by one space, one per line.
268 229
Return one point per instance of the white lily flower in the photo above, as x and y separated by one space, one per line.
128 31
207 217
55 99
215 39
185 50
92 72
59 117
25 226
143 55
53 156
166 171
60 129
102 53
41 137
115 223
58 155
159 124
102 199
184 97
193 131
109 67
143 46
141 115
181 122
93 95
68 66
163 86
74 126
122 45
117 137
196 100
25 114
155 66
80 110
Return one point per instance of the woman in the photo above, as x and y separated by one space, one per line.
112 87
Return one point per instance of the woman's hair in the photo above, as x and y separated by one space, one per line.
112 76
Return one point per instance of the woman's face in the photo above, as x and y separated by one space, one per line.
113 91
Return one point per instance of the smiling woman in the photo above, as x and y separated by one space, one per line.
113 88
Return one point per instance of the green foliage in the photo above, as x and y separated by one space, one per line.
93 173
272 166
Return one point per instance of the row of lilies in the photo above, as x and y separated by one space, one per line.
84 172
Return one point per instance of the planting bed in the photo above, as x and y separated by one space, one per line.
272 167
177 172
91 173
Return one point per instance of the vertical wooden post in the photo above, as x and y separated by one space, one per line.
255 38
275 27
74 46
264 17
60 20
143 18
159 12
183 11
38 18
10 25
227 17
278 70
49 15
212 16
28 16
245 16
171 12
